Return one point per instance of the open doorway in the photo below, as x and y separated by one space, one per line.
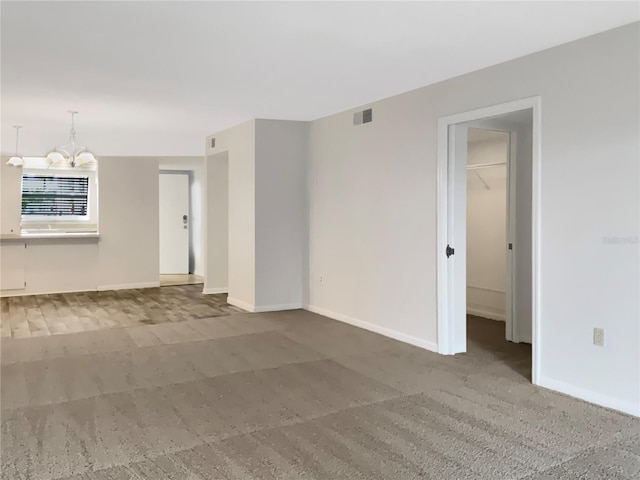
493 219
487 230
180 233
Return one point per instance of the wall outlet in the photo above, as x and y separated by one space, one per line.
598 337
321 279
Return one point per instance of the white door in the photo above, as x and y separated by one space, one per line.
174 223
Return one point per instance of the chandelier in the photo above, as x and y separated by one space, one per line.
71 154
17 159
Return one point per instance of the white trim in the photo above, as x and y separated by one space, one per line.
445 330
442 208
23 293
387 332
100 288
511 327
129 286
277 308
239 303
484 313
589 396
214 290
262 308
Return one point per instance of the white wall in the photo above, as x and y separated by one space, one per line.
129 216
487 227
195 167
217 223
239 142
10 197
125 255
373 210
267 217
281 212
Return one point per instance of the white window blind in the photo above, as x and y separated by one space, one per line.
55 196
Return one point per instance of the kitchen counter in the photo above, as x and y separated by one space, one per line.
45 234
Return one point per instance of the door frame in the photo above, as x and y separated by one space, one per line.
450 339
189 174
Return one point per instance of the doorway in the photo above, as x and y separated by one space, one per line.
175 230
518 123
488 236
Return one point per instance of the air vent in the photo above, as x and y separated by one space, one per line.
365 116
213 143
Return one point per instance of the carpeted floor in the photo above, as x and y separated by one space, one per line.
293 395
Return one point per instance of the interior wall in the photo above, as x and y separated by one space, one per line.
239 142
217 223
129 222
195 167
126 253
267 214
281 212
372 242
10 197
487 225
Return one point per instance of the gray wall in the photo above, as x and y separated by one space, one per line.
267 215
217 224
372 217
129 248
281 212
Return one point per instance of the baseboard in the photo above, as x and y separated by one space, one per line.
387 332
481 312
129 286
277 308
100 288
262 308
209 291
23 293
590 396
240 304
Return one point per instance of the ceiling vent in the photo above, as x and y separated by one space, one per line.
365 116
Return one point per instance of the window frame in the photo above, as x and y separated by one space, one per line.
68 218
30 221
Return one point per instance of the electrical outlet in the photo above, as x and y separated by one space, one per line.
598 337
321 279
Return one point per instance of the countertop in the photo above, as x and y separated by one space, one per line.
48 235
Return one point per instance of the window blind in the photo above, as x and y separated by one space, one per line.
47 195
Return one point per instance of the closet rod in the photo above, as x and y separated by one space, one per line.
484 165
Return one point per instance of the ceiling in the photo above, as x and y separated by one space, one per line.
154 78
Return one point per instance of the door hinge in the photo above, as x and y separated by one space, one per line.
450 251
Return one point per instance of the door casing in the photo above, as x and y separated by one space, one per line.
451 225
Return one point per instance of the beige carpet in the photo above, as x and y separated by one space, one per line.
293 395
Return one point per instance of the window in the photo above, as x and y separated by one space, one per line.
64 197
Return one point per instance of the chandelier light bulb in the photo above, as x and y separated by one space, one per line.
16 160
